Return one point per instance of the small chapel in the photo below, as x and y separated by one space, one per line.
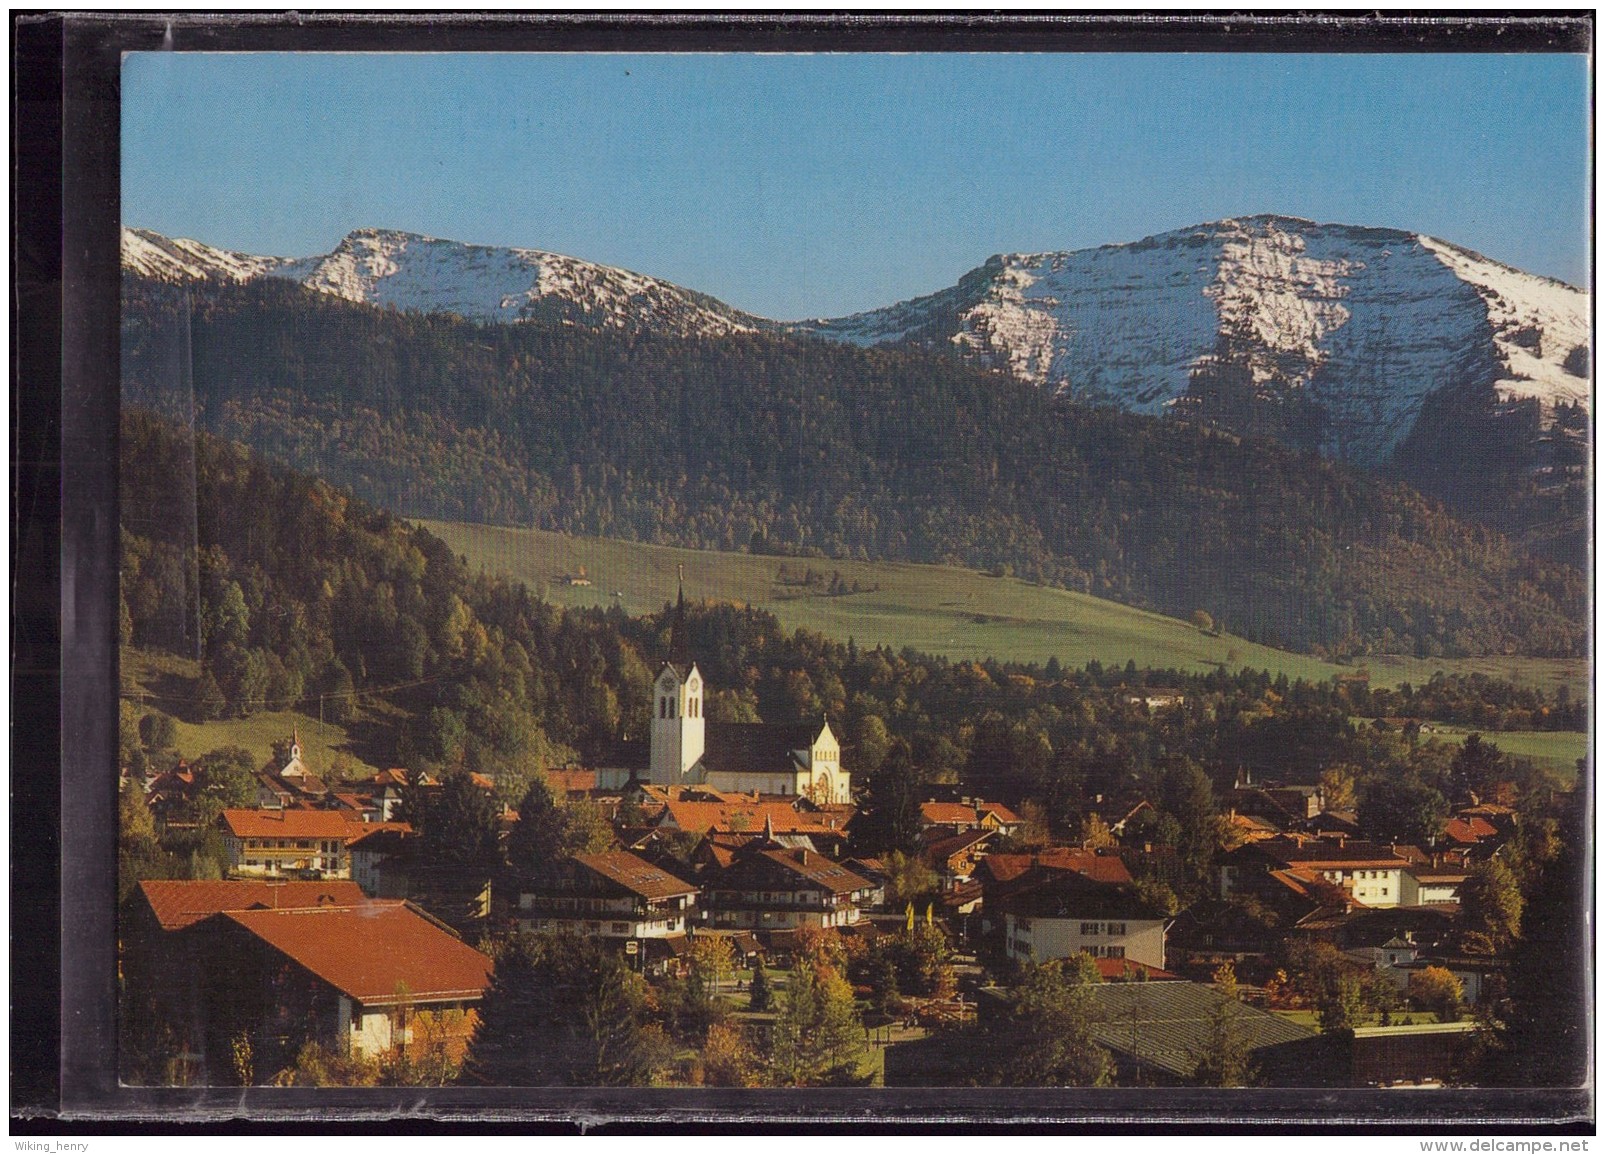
686 749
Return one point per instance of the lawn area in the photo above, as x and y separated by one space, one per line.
1556 750
945 610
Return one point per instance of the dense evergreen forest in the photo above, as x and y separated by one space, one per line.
299 595
800 447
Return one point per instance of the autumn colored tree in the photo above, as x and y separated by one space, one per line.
1437 990
908 879
728 1057
1224 1059
817 1038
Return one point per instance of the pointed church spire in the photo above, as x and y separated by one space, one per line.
679 647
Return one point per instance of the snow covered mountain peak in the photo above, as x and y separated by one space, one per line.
1356 325
1329 336
409 271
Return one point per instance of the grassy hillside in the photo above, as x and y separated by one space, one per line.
162 682
938 609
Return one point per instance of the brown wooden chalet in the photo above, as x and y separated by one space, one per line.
614 895
769 886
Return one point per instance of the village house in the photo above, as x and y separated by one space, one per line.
614 895
376 977
772 887
954 857
794 821
1370 874
1054 914
288 843
999 875
157 962
379 859
969 814
292 784
1155 700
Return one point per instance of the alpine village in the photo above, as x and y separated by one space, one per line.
634 692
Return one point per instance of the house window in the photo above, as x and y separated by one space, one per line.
621 928
1089 929
1117 928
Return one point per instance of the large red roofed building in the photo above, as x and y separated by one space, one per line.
174 904
1369 873
293 843
376 977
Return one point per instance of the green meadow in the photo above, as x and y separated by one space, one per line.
166 683
1556 750
946 610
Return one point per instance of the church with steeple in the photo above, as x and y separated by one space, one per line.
685 749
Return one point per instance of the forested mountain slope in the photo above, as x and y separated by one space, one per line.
799 446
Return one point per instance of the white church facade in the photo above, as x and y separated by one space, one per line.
732 757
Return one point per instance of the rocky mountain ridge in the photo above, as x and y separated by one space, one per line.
1328 337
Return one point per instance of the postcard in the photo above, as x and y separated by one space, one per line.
901 571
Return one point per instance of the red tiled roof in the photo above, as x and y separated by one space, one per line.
1117 969
746 818
942 849
177 904
635 874
369 951
1315 888
299 823
812 866
1331 853
287 824
1468 830
1103 867
961 813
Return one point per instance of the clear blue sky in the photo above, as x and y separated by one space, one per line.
800 186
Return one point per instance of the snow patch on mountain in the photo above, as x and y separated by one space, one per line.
153 255
1538 324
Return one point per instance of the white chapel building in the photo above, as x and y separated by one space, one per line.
686 749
